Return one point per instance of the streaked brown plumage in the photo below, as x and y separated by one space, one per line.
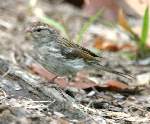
62 56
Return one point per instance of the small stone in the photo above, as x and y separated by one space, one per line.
143 79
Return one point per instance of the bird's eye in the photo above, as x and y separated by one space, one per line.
38 30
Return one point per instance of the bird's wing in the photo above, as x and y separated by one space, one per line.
74 51
77 51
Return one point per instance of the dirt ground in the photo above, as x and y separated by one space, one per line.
28 98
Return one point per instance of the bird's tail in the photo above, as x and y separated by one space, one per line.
110 70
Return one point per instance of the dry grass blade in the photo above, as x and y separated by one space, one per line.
125 25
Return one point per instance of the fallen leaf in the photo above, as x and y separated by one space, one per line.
103 44
116 85
41 71
83 83
128 47
80 82
124 23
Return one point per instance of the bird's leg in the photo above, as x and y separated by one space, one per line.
53 79
61 80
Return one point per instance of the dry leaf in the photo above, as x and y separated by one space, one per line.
125 25
128 47
102 44
116 85
63 82
123 21
41 71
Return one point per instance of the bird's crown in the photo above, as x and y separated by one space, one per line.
38 26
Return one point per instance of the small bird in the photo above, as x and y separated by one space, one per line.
62 56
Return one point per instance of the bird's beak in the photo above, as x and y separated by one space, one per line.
28 30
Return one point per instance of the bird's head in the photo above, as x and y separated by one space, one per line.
42 31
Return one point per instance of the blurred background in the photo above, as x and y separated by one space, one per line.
110 25
115 29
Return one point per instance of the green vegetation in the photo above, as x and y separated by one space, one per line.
55 24
145 30
61 27
86 26
141 41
